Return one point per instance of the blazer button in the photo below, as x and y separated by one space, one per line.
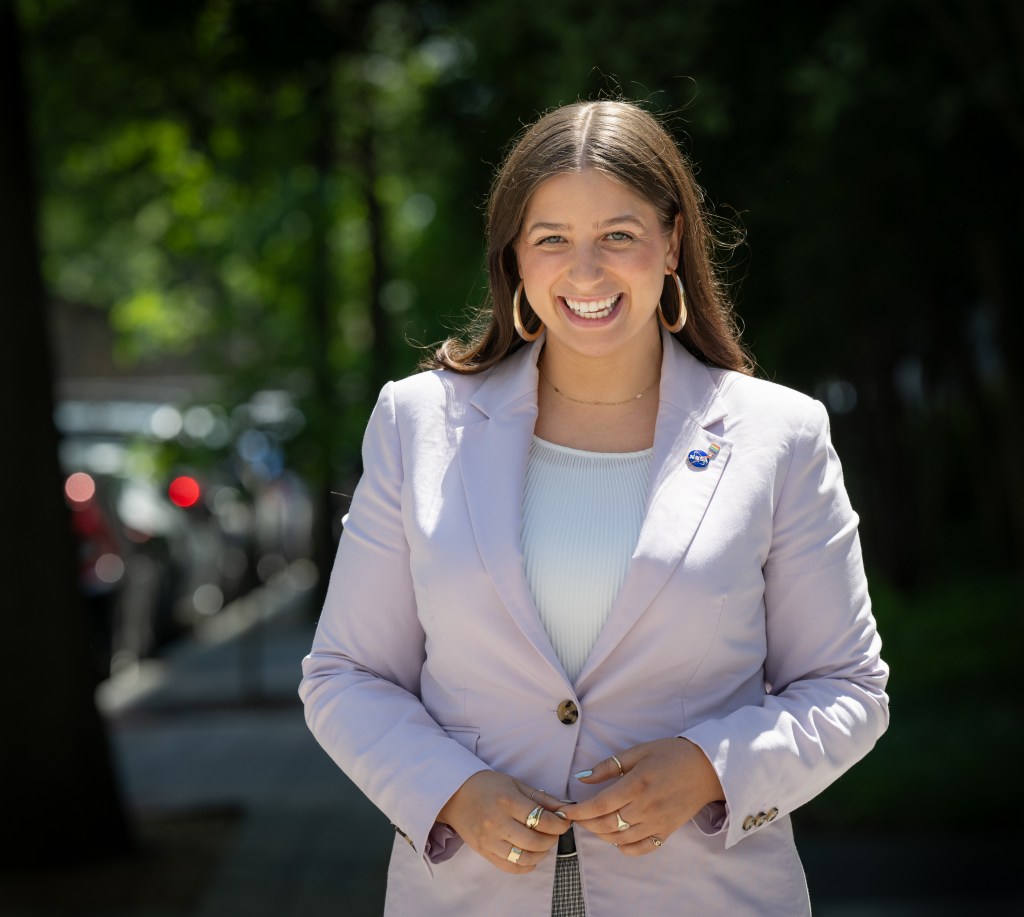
568 712
762 819
749 822
772 813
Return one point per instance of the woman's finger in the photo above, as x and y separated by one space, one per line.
546 822
544 815
541 797
514 859
648 844
616 828
613 766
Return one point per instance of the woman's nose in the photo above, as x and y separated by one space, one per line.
586 268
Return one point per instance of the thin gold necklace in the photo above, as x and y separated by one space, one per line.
558 391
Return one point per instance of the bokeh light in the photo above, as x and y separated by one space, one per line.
109 568
183 491
208 599
79 489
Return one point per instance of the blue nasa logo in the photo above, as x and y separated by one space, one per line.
698 458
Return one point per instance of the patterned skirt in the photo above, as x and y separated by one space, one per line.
567 895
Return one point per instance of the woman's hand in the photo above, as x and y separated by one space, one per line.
489 812
663 785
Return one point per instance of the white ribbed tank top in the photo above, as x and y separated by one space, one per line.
582 513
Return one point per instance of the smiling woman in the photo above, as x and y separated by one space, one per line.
602 142
602 272
598 621
593 258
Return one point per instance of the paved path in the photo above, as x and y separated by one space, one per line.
218 724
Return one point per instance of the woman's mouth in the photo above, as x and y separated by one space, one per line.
593 308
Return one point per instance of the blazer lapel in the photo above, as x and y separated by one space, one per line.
678 495
493 452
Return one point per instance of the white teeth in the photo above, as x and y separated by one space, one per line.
595 308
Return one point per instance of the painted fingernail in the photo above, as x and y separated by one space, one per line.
583 774
561 815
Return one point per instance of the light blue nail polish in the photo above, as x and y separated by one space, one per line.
583 774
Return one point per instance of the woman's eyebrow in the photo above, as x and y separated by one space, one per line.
625 218
612 221
550 227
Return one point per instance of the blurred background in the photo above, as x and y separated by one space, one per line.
226 223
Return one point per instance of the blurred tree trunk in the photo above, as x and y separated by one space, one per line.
380 355
60 799
322 322
349 24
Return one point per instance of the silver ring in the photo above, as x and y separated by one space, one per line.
618 764
533 819
657 841
622 825
514 854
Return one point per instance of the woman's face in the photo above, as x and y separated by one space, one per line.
593 257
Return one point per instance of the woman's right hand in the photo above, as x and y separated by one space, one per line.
489 812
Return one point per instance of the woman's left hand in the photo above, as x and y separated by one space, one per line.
663 785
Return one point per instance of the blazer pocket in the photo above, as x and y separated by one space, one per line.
466 736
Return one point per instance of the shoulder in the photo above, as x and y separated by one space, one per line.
422 396
742 404
467 397
768 406
442 398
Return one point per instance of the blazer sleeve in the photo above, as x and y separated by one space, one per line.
826 704
360 683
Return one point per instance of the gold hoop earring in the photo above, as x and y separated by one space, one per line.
518 322
681 320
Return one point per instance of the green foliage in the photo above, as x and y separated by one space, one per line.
196 209
291 195
952 650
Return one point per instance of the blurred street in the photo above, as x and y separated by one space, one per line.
247 817
224 727
214 756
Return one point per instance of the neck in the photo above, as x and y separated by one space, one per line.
612 379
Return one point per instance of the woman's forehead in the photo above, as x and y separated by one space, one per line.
585 199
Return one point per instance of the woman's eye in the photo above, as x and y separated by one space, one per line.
619 236
550 240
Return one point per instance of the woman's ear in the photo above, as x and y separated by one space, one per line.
674 240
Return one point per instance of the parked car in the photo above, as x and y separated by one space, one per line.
160 552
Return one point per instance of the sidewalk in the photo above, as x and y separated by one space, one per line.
213 736
218 728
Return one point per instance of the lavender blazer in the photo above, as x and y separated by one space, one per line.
743 624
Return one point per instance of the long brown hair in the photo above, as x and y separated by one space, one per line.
628 144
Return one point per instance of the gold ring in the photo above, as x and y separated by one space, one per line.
657 841
618 764
514 854
533 819
622 825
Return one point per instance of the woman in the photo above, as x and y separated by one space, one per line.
598 621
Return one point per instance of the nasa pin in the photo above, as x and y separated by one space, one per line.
700 459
